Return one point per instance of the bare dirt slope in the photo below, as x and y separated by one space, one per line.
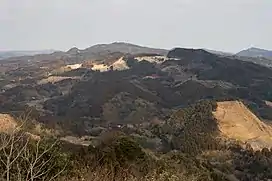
54 79
237 122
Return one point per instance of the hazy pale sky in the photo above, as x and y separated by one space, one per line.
228 25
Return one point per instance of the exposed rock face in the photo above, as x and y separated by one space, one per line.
120 64
74 66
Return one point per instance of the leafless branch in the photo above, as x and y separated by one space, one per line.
30 164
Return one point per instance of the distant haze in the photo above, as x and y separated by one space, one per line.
225 25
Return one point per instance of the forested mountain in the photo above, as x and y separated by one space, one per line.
124 111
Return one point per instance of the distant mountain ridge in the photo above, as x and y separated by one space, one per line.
9 54
256 55
116 50
121 47
255 52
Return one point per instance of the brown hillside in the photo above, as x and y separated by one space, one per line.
237 122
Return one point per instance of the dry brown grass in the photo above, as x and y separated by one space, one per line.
7 123
24 123
237 122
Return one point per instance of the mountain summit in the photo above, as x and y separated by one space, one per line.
124 48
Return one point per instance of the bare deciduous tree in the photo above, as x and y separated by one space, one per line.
24 159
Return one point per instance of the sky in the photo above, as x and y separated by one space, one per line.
226 25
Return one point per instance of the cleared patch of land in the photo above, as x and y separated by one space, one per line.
237 122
